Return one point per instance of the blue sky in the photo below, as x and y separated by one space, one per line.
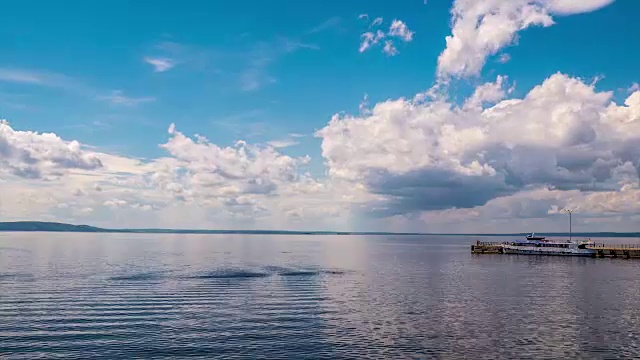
261 71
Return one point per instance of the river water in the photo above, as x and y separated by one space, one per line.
117 296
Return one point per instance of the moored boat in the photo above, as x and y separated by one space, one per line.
540 247
534 237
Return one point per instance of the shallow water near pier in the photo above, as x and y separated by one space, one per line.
89 296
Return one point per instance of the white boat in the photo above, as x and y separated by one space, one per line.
534 237
546 247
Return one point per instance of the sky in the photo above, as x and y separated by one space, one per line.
428 116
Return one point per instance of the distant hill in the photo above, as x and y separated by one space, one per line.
62 227
46 226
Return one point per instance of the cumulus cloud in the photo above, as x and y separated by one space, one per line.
28 154
197 184
481 162
481 28
496 157
543 208
488 93
160 64
429 155
243 168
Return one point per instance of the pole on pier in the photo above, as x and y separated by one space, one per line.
570 231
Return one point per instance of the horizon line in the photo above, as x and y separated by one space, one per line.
47 226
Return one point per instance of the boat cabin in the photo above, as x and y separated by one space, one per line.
564 245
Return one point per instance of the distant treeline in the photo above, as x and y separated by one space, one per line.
62 227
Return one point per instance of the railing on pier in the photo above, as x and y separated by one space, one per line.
487 243
603 246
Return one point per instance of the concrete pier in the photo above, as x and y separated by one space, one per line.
616 251
486 248
621 251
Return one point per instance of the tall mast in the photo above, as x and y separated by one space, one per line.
570 230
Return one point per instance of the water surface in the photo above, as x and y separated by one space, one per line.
113 296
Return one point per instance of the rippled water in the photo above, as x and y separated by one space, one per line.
113 296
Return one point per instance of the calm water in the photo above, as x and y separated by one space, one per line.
89 296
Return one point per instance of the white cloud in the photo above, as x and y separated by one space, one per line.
167 55
117 97
199 184
492 162
504 58
44 79
432 155
376 22
400 29
489 163
397 30
482 27
568 7
389 48
160 64
543 208
368 39
69 84
21 76
364 105
115 203
280 144
250 66
262 55
27 154
488 93
242 168
331 23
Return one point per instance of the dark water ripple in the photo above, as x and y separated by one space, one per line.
120 297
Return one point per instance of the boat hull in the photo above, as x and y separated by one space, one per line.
547 251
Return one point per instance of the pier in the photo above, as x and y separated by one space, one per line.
621 251
481 247
616 250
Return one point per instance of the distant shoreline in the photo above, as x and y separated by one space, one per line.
40 226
